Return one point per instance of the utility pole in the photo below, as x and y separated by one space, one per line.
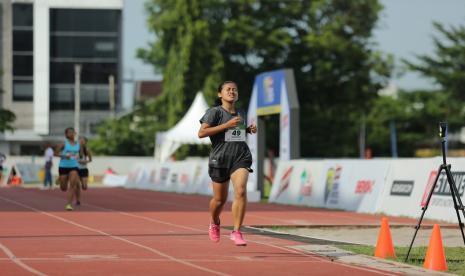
111 94
77 96
362 138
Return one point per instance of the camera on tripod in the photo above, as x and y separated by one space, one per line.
442 129
444 167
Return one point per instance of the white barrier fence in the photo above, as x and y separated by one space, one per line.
190 176
392 186
120 164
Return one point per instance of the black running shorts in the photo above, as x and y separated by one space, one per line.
221 175
83 173
66 171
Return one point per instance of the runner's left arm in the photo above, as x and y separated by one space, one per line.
89 155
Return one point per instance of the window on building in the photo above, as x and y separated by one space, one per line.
22 52
89 38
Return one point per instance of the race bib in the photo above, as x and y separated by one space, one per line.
236 134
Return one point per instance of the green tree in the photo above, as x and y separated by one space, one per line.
6 119
200 43
327 43
133 133
447 66
181 51
416 115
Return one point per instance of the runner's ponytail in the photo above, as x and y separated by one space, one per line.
218 101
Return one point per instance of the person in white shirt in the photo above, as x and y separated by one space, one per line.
48 156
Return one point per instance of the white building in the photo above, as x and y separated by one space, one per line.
42 41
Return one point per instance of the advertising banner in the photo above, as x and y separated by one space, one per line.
181 177
441 205
284 129
284 188
252 140
114 180
354 185
405 185
28 172
397 187
269 90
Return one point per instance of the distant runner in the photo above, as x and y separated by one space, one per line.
68 168
85 158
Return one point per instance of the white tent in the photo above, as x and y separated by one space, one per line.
184 132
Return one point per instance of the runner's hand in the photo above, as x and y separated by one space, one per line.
233 122
252 128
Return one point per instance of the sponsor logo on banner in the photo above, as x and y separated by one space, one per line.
284 122
132 177
164 175
306 184
285 181
184 179
402 187
364 186
333 177
269 89
174 178
442 188
153 176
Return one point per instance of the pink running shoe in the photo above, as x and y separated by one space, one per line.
236 236
214 232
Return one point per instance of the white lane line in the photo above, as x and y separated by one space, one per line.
164 260
322 259
114 237
12 257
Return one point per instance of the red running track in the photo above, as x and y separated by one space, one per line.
135 232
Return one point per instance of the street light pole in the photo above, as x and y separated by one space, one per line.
77 96
111 94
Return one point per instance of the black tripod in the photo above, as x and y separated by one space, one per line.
458 205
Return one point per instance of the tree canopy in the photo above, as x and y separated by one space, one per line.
6 120
328 44
416 113
447 66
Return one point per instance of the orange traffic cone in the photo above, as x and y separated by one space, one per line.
435 258
384 246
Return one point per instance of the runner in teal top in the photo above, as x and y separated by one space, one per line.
68 169
70 155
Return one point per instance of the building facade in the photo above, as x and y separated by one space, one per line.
42 42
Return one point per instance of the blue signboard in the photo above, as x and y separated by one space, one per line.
269 86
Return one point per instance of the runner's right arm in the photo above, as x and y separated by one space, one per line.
58 150
207 130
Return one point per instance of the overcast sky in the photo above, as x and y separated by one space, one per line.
405 30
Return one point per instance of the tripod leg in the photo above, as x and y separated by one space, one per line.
457 194
430 194
456 198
